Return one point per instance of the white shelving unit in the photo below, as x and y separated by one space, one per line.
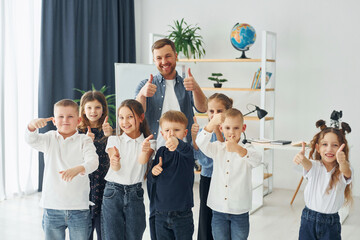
265 93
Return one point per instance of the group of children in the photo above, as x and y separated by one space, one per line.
110 169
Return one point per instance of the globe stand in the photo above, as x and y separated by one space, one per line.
243 56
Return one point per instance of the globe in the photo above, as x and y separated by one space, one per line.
242 37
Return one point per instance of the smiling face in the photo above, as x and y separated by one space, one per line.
215 107
165 61
129 122
232 127
328 147
175 129
93 112
66 120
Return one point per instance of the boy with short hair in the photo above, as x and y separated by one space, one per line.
231 187
67 154
173 174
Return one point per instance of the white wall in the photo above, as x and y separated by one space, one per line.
318 59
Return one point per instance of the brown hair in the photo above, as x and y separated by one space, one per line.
233 112
67 103
225 100
161 43
174 116
137 109
89 97
315 155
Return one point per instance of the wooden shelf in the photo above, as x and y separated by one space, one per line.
236 89
267 175
225 60
249 118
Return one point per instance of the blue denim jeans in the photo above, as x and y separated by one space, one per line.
55 222
315 225
230 226
177 225
123 212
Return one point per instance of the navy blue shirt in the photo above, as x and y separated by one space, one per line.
174 186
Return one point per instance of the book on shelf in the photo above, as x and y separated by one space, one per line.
256 83
280 142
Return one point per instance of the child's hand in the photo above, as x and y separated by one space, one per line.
38 123
341 158
215 122
171 142
146 144
115 160
157 169
70 173
194 128
90 134
300 157
107 129
232 145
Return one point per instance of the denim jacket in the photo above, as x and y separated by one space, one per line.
154 104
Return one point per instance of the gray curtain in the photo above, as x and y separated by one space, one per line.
80 42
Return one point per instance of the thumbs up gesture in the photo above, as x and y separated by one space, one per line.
301 159
189 82
341 157
90 134
149 89
195 128
38 123
146 144
157 169
107 129
115 159
171 142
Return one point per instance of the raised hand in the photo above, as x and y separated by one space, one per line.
69 174
189 82
171 142
215 122
38 123
107 129
341 158
157 169
146 144
149 89
90 134
115 160
301 159
231 144
195 128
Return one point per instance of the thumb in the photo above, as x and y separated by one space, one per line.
116 151
151 78
160 162
149 137
303 148
341 148
89 129
106 119
195 120
49 119
189 73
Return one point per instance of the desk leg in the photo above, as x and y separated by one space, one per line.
297 189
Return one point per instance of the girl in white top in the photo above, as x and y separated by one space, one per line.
123 210
329 182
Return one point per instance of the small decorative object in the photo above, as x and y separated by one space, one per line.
335 119
242 37
256 83
110 99
215 77
186 39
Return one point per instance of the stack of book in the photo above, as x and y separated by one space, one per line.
256 83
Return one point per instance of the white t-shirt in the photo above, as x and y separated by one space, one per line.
170 103
315 195
231 182
61 154
131 170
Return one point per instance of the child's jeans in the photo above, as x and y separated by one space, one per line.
55 222
177 225
230 226
315 225
123 212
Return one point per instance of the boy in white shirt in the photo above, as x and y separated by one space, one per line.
67 154
230 188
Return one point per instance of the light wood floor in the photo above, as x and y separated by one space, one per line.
20 218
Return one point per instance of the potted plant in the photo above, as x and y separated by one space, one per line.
186 39
215 77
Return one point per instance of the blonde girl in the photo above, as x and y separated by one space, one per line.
217 103
123 214
94 116
329 182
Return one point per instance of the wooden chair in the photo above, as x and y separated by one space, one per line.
297 189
